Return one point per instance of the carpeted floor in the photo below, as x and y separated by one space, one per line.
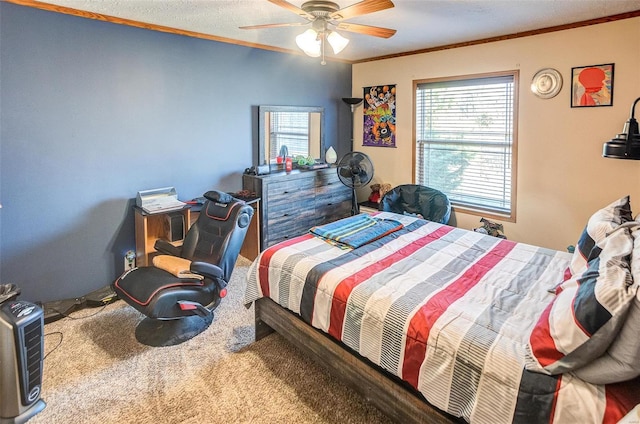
96 372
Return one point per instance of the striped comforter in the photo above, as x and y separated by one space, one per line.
445 309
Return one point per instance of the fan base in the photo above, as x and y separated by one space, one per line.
319 7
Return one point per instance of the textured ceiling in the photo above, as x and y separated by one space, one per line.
420 24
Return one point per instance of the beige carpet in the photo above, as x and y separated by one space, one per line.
99 373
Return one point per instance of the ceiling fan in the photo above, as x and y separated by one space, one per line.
324 15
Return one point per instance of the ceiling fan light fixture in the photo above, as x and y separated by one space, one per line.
309 42
337 41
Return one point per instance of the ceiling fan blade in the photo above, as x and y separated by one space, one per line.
293 8
362 8
273 25
366 29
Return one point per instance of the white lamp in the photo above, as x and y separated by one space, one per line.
312 41
337 41
309 42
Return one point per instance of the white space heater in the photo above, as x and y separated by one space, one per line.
21 358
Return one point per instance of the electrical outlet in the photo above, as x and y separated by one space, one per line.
129 260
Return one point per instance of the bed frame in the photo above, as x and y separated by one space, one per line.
392 396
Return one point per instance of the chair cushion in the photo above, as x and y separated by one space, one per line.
179 267
141 284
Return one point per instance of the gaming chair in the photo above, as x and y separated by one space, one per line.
179 293
431 204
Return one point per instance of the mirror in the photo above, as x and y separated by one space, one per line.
299 128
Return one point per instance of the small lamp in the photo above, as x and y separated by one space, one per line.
625 145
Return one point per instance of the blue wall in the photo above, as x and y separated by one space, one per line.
92 112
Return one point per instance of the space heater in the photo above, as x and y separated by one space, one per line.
21 356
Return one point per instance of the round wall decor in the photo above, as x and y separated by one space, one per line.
546 83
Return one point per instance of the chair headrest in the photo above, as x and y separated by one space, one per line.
218 196
220 205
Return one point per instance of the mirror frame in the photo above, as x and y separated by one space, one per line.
264 109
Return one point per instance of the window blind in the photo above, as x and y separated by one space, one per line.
464 140
289 129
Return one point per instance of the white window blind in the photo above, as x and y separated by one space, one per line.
464 140
289 129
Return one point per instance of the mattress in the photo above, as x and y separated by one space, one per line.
445 309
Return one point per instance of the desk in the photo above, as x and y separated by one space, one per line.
151 227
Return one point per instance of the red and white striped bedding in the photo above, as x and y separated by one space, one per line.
448 310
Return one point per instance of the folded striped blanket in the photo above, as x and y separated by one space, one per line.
356 231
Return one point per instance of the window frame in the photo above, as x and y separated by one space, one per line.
478 211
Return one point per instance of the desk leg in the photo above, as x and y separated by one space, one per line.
251 246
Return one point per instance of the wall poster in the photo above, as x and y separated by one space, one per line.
379 111
592 85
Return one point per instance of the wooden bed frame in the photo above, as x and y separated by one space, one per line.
388 393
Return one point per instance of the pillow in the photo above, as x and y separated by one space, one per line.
588 311
601 223
621 362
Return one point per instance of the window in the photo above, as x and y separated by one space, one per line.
289 129
465 143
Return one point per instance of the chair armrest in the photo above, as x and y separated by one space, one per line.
209 270
166 248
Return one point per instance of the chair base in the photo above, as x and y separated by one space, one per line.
159 333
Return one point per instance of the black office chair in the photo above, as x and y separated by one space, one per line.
415 199
179 293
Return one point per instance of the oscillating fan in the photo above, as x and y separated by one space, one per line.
355 169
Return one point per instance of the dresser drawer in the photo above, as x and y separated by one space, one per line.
328 177
290 187
327 195
282 236
329 212
292 217
293 203
288 194
293 226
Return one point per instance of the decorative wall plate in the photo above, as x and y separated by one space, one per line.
546 83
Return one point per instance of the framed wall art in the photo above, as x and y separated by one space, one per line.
592 86
379 127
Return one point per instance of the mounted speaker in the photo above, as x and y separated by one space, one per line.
21 356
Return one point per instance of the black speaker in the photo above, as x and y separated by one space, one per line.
21 356
174 226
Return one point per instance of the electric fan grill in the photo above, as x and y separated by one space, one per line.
355 169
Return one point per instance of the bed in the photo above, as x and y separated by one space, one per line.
434 324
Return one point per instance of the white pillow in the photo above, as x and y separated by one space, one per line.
621 361
600 224
588 311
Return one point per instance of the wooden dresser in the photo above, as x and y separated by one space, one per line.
291 203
